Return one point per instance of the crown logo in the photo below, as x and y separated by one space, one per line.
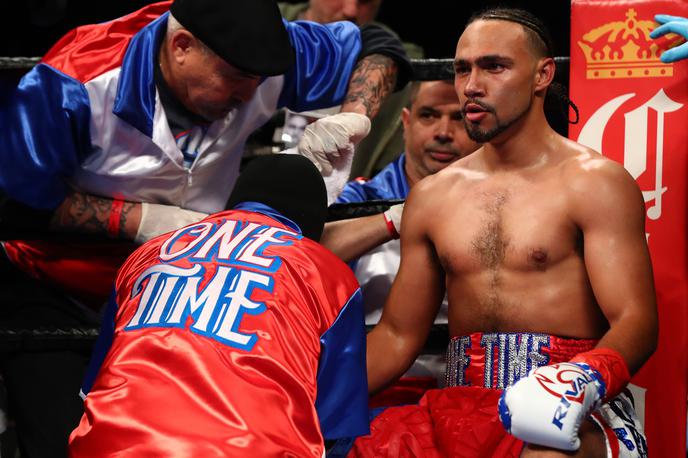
624 49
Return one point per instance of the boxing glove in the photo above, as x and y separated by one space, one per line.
549 405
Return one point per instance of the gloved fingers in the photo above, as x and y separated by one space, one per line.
322 163
342 160
326 169
357 126
680 28
664 18
675 54
319 139
329 145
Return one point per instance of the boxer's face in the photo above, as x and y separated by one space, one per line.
214 87
495 77
433 130
358 11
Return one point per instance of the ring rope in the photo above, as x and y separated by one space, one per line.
423 69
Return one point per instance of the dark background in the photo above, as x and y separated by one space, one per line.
437 24
30 27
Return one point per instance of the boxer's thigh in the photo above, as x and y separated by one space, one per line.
593 445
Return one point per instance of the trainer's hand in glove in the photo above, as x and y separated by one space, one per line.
672 24
393 219
549 405
158 219
332 137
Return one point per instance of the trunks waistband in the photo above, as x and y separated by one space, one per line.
498 359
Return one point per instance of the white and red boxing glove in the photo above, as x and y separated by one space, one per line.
549 405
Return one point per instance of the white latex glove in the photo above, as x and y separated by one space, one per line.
549 405
332 137
159 219
393 219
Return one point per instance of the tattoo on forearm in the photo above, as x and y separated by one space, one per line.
373 79
89 214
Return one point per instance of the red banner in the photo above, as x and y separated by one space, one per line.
634 109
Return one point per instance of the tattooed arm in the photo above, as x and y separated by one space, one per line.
383 67
372 80
89 214
139 222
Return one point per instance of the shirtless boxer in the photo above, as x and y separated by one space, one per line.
540 245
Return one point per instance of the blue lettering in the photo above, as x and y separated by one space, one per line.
560 413
622 434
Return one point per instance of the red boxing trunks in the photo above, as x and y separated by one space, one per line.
462 420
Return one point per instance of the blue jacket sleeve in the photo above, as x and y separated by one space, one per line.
102 345
353 192
390 183
342 402
325 58
45 136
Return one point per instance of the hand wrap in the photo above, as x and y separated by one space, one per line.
393 220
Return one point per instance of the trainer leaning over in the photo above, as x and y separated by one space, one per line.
135 127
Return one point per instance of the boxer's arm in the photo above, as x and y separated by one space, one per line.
609 208
414 299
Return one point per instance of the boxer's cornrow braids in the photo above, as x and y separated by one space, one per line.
528 20
559 92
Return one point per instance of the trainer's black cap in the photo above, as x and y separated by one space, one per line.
288 183
248 34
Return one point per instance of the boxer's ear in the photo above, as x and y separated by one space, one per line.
544 73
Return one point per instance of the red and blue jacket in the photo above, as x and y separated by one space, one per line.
235 336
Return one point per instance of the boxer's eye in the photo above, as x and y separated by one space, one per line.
462 69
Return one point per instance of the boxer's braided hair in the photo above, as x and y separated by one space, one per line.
541 41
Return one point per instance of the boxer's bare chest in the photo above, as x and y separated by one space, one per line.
510 250
506 222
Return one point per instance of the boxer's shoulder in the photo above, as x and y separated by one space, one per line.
580 162
458 173
596 183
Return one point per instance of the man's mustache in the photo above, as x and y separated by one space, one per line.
482 105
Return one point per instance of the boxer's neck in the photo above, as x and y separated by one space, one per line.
525 144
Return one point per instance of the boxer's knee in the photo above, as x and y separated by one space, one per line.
592 445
